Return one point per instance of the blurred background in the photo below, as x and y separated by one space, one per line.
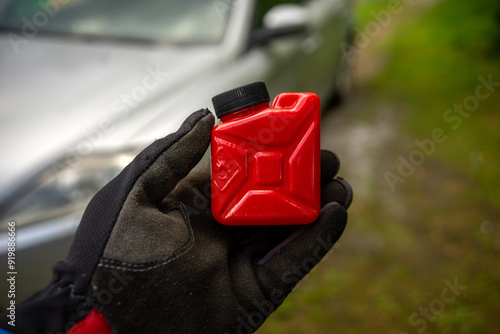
434 221
410 93
86 84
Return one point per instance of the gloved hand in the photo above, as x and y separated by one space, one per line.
149 258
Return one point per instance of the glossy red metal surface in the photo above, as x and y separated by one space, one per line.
266 163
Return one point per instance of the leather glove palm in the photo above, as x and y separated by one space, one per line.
151 258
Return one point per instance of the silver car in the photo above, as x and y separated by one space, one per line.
85 85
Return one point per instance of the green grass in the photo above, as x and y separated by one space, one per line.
443 222
435 63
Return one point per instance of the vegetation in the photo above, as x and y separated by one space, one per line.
437 227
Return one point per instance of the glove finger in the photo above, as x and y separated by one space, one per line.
266 238
175 161
330 164
100 217
337 190
286 264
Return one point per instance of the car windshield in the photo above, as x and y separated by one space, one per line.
163 21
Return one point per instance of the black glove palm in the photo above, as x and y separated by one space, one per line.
150 257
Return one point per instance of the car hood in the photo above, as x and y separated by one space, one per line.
58 93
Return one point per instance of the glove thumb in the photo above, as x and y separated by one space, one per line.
176 161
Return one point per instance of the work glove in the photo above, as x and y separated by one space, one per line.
148 257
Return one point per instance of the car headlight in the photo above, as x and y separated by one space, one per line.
66 187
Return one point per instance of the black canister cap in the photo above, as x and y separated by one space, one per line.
239 98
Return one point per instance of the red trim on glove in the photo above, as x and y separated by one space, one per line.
93 323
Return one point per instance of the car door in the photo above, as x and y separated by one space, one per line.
307 60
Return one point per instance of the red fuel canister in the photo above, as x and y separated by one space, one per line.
265 161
